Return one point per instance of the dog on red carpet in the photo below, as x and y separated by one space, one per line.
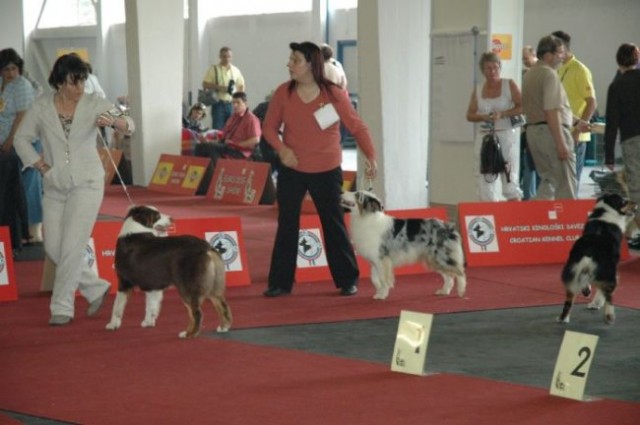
594 257
387 242
153 263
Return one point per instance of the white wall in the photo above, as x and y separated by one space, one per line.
11 24
597 29
260 47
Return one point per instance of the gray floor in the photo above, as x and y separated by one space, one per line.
512 345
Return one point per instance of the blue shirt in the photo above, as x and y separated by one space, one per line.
16 97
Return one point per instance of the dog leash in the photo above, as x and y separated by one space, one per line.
115 167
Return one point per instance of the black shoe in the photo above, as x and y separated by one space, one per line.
349 290
276 292
634 243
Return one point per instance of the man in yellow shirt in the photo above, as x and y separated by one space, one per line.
578 83
226 79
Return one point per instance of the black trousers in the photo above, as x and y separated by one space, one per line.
13 203
325 190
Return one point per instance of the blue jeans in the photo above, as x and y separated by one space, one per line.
581 151
220 113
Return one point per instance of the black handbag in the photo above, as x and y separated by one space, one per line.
207 96
492 161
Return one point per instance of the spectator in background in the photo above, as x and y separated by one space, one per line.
549 120
16 96
529 178
67 122
238 139
578 84
495 102
225 79
333 70
623 112
311 157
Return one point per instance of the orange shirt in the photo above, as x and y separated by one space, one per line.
317 150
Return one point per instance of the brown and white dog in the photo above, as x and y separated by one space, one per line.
153 263
594 257
387 242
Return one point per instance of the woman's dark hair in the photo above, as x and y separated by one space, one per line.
313 55
198 107
70 65
240 95
627 55
10 56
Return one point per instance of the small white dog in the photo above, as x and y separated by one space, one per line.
387 242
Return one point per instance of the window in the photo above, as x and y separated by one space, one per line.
67 13
343 4
253 7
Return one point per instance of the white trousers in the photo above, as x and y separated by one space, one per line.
493 188
68 219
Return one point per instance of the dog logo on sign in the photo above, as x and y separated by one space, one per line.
482 234
227 246
310 248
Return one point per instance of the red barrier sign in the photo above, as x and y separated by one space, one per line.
8 287
238 181
178 174
518 233
224 234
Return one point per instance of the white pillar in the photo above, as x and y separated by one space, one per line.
155 44
393 47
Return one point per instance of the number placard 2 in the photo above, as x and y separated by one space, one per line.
410 350
572 367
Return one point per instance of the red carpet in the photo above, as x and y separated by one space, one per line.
85 374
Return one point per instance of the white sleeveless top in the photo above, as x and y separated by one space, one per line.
496 104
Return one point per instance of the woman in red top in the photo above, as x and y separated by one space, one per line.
308 110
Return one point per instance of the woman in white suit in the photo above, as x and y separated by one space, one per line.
67 122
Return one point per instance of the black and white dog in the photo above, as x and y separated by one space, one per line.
154 263
387 242
595 255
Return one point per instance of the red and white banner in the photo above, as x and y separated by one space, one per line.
238 182
8 287
224 234
178 174
519 233
312 261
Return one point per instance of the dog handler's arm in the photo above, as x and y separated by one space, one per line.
357 128
271 128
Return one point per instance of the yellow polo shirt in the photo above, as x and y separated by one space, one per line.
578 83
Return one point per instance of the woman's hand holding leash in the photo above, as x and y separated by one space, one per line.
105 120
371 168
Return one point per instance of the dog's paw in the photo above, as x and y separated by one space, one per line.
222 329
561 321
113 325
381 294
148 323
609 319
442 292
593 306
182 335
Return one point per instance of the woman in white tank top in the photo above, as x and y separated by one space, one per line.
496 101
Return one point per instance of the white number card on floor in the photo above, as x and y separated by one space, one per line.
572 367
410 351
